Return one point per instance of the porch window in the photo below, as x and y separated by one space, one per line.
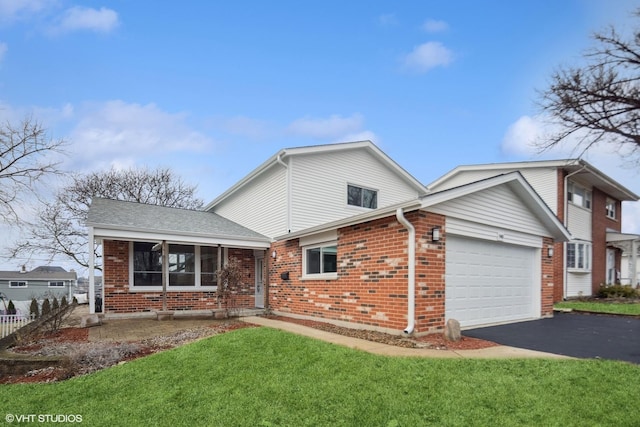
147 265
18 284
56 284
321 260
579 256
182 265
579 195
611 208
208 265
363 197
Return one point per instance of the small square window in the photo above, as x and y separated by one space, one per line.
611 208
321 260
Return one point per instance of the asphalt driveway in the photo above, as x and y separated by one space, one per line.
571 334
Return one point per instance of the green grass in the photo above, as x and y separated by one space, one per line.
264 377
602 307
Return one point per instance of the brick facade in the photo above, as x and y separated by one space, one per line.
599 226
372 283
119 298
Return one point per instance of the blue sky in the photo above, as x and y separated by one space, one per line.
211 89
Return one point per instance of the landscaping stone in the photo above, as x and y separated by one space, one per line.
90 320
452 330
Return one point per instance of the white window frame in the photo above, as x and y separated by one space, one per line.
196 287
54 284
18 284
322 275
362 188
581 249
610 206
584 193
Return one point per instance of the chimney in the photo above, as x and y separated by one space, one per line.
24 269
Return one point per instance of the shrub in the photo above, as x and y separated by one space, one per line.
34 309
11 308
56 305
617 291
46 307
63 302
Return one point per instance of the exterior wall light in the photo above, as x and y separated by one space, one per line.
435 234
550 251
274 254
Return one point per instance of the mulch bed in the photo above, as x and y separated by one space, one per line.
434 341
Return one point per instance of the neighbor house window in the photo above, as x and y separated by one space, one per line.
321 259
188 265
579 195
17 284
56 284
363 197
611 208
579 256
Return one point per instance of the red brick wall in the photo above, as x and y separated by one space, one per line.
548 274
119 299
600 223
558 248
371 288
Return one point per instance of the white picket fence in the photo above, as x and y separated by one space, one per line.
10 323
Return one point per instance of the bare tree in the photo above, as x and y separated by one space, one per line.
27 155
60 227
599 101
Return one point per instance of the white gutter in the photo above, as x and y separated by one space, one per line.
411 261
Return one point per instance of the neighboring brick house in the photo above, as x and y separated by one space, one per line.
345 235
587 201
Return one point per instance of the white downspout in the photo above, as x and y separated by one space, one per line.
92 280
411 261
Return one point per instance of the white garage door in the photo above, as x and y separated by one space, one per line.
490 282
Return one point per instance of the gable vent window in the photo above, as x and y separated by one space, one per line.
363 197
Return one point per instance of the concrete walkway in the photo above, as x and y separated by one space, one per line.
497 352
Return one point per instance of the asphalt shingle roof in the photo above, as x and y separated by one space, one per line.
161 219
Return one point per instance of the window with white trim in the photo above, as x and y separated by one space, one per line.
18 284
363 197
579 256
610 206
190 266
56 284
579 195
321 260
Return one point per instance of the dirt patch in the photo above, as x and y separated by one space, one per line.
433 341
86 356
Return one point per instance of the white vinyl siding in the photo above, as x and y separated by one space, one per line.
543 180
497 206
261 205
319 186
579 222
578 284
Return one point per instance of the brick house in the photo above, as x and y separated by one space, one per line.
345 234
588 202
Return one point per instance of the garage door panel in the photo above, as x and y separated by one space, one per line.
489 282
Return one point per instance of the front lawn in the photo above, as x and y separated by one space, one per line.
632 308
265 377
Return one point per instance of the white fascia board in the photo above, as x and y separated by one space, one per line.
352 220
518 184
124 234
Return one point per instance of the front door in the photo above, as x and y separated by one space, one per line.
611 266
260 282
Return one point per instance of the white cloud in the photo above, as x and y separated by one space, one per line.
17 9
434 26
331 127
387 20
3 50
78 18
427 56
521 136
118 133
245 126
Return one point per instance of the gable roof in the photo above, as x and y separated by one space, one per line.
325 148
514 180
120 218
585 170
